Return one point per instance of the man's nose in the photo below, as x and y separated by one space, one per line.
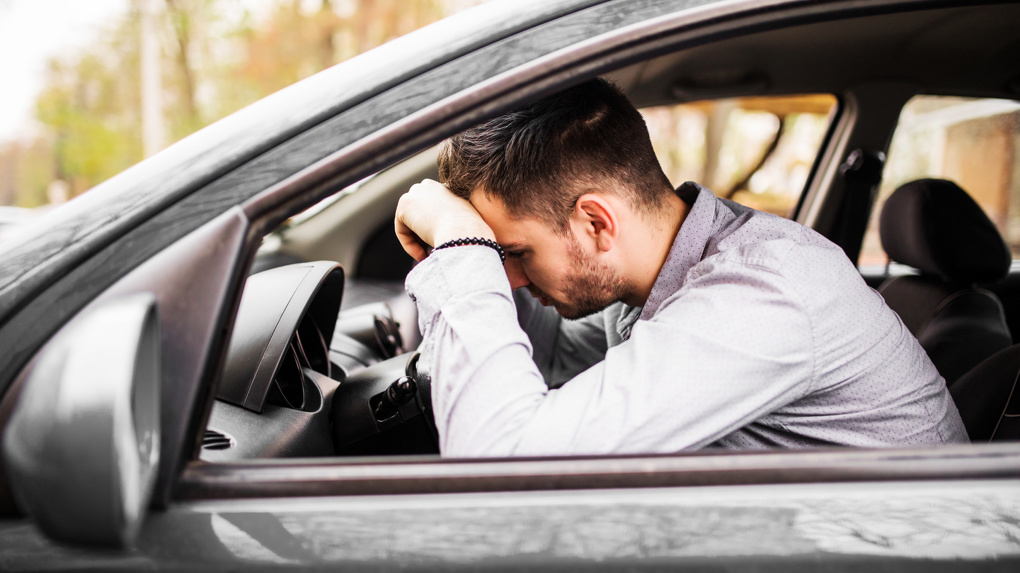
515 272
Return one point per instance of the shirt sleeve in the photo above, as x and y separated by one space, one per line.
715 357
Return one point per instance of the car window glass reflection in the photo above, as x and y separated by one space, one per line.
970 141
757 151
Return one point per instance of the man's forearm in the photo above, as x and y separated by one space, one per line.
476 352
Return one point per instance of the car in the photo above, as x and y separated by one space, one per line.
207 362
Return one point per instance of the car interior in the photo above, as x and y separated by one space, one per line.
895 135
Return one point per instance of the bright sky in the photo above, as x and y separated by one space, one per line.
31 32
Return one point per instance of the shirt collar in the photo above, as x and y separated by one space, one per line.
688 248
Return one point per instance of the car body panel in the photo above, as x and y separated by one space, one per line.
191 282
906 526
198 211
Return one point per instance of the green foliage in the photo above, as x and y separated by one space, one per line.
299 39
211 66
90 107
26 167
92 122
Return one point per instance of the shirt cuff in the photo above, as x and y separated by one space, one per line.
455 273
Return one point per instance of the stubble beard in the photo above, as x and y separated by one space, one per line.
590 286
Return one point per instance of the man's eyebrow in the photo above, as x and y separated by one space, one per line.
514 246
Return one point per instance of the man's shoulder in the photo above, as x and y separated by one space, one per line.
742 254
766 241
758 256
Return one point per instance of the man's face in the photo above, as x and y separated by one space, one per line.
555 268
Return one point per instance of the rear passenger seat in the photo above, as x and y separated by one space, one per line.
934 226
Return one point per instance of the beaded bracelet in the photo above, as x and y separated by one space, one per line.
474 241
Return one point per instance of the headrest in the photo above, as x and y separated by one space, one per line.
934 226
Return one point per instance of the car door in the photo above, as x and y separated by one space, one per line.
776 510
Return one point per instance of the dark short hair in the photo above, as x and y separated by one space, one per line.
539 159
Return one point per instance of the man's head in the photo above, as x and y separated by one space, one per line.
538 160
555 181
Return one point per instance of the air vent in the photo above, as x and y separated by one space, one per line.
213 440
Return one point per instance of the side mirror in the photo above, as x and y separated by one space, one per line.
82 445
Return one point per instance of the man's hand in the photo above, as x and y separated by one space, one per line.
429 215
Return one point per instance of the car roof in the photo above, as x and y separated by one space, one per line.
925 48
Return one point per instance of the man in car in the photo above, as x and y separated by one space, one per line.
658 319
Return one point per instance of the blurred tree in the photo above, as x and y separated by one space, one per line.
91 111
212 65
35 168
300 37
189 39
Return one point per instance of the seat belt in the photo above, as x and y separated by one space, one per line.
861 172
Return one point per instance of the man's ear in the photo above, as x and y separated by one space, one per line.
598 220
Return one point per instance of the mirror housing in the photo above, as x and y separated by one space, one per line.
82 445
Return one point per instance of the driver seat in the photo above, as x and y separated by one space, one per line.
934 226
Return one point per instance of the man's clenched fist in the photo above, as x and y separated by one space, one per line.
429 215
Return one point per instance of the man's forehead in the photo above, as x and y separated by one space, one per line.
512 232
492 209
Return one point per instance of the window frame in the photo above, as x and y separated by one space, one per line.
375 476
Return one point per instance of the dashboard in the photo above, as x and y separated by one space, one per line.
303 379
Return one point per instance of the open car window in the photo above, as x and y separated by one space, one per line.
973 142
758 151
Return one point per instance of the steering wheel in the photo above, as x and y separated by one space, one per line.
385 409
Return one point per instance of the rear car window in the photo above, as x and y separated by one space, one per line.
974 142
757 151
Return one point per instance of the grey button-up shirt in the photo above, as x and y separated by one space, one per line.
758 333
